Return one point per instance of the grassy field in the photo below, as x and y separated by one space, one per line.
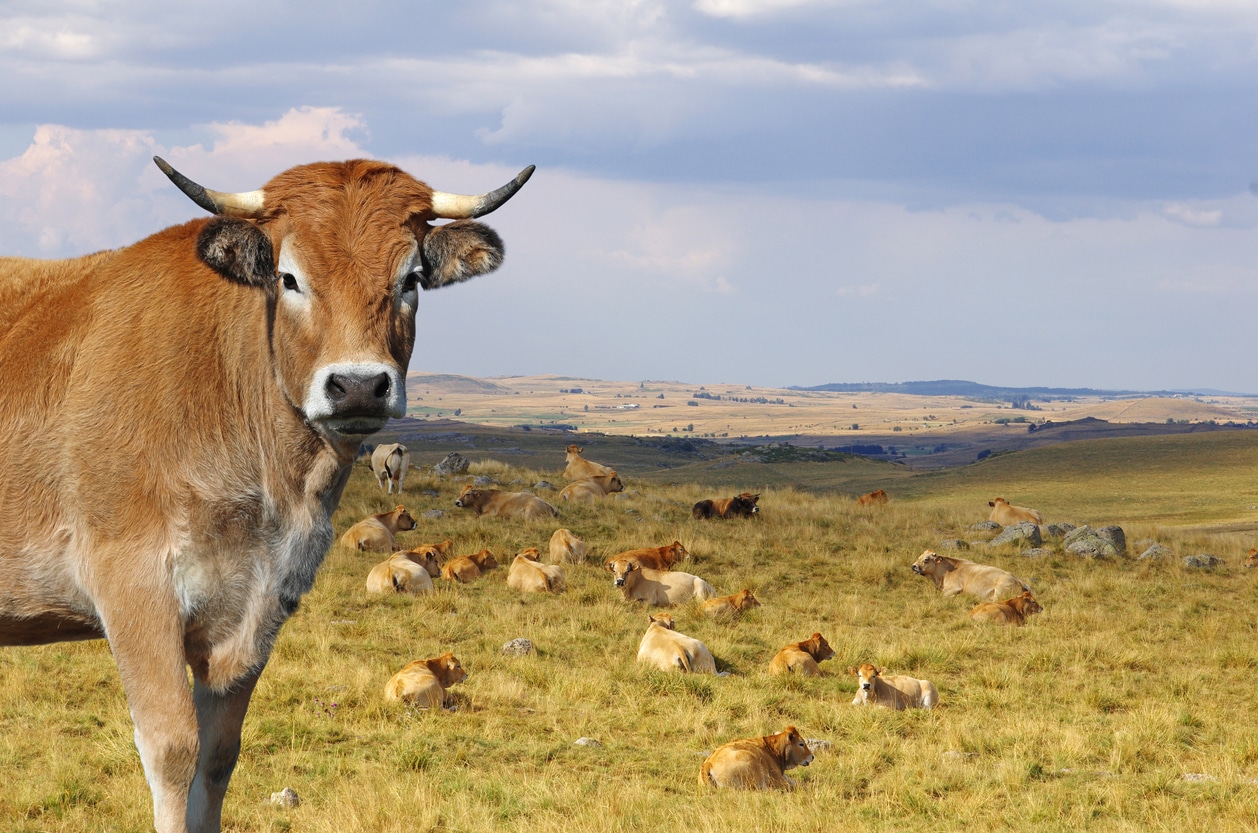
1126 705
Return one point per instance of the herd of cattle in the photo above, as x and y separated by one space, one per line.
648 575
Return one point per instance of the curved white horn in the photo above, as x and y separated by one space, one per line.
462 206
245 204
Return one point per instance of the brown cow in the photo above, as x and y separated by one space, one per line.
656 558
378 533
874 498
666 649
954 576
430 556
423 683
1007 514
726 607
756 763
802 657
399 574
189 413
566 548
497 503
875 688
467 568
1251 560
1009 612
529 576
739 506
657 587
389 462
578 467
592 489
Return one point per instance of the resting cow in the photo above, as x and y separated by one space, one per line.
666 649
183 418
400 574
874 688
529 576
1006 514
378 533
875 498
592 489
1009 612
756 763
1251 560
802 657
739 506
566 548
389 462
656 558
467 568
657 587
727 607
431 556
497 503
578 467
954 576
423 683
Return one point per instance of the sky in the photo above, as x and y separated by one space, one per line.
767 192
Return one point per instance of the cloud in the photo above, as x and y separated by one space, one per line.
1182 213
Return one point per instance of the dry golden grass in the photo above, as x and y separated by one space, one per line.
1136 674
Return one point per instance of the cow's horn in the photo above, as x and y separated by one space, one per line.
245 204
462 206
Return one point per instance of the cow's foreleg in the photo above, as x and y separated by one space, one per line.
220 716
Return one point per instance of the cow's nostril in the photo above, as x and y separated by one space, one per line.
382 386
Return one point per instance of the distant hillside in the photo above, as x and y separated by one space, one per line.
450 383
959 387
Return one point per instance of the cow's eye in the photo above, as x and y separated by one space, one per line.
410 282
289 280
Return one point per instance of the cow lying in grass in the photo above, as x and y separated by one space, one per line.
666 649
802 657
874 498
528 575
377 533
1009 612
432 556
578 468
739 506
727 607
497 503
592 489
874 688
566 548
657 587
655 558
756 763
467 568
401 573
423 683
953 576
1006 514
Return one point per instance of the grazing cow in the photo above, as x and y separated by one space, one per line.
430 556
579 468
423 683
529 576
389 462
184 415
1251 560
1007 514
467 568
756 763
874 498
655 558
739 506
497 503
954 576
1009 612
378 533
566 548
802 657
666 649
727 607
657 587
592 489
399 574
896 692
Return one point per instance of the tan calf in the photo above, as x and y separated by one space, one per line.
1251 560
666 649
1009 612
529 576
423 683
657 587
1006 514
497 503
378 533
756 763
898 692
467 568
655 558
566 548
399 574
802 657
430 556
592 489
953 576
578 468
727 607
874 498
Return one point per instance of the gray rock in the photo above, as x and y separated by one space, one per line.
434 515
1036 552
483 481
430 493
1059 530
1203 561
1023 533
986 526
954 544
1155 553
955 755
1091 546
518 647
586 742
286 797
1116 536
1200 778
452 463
816 745
544 486
1078 532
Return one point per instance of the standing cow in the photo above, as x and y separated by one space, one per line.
180 420
389 462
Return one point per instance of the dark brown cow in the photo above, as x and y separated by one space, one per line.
182 417
656 558
739 506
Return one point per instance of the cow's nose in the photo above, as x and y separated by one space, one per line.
358 393
620 582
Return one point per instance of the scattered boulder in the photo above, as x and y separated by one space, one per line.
1084 542
483 481
1059 530
452 463
1116 536
1203 561
1155 553
986 526
586 742
286 797
544 486
1036 552
1021 533
816 745
434 515
430 493
954 544
518 647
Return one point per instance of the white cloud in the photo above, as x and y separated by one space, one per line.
748 8
1202 218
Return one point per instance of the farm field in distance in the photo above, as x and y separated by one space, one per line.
1124 706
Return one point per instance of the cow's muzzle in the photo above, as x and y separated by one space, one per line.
619 581
916 569
356 397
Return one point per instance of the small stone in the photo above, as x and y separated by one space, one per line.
1200 778
518 647
1026 532
1036 552
954 544
1059 530
434 514
1203 561
586 742
1157 552
482 481
955 755
286 797
544 486
1116 536
816 745
452 463
987 526
430 493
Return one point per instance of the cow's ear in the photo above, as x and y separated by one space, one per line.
458 251
238 251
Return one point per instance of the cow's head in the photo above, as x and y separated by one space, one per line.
818 648
469 498
664 620
484 560
342 250
402 519
790 748
425 556
927 563
865 676
620 570
575 449
745 600
1026 604
530 554
999 500
1251 560
447 669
